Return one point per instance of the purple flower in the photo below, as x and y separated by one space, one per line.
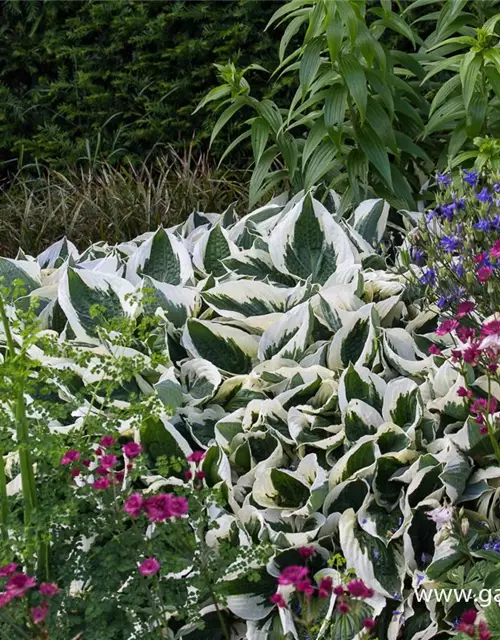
430 215
450 244
429 277
484 195
460 203
495 223
417 255
443 179
496 187
448 210
482 225
458 268
443 302
471 177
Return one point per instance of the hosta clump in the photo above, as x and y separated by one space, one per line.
275 373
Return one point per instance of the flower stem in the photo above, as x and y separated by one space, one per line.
3 500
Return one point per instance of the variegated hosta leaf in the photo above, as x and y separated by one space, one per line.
370 220
381 566
88 299
21 274
256 264
356 341
241 299
403 404
227 348
179 303
402 354
360 419
360 383
211 249
57 254
290 336
162 257
307 242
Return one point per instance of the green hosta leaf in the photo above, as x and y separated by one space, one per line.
379 566
57 254
200 379
360 419
227 348
179 303
347 495
370 220
90 299
308 243
357 462
401 353
163 257
403 404
356 342
290 336
359 382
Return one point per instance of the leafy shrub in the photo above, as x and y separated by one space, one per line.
282 347
381 100
118 81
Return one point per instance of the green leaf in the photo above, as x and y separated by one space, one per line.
493 76
271 114
335 106
444 92
320 163
309 65
334 35
291 29
469 71
476 114
226 115
289 150
349 18
354 77
374 149
260 173
314 138
214 94
378 119
451 110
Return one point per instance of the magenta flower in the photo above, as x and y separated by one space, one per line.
325 588
338 590
165 505
48 589
70 456
149 567
8 569
369 623
434 350
101 484
133 505
344 608
132 449
292 574
306 552
108 461
107 441
5 598
491 328
446 327
38 614
196 456
484 273
358 589
305 586
464 308
178 506
188 474
469 616
278 600
19 583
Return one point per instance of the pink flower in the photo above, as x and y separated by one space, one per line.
343 608
292 574
484 273
462 392
484 632
132 449
19 583
446 327
468 629
196 456
133 505
434 350
188 474
278 599
464 308
469 616
70 456
8 569
101 484
471 354
101 471
441 515
495 250
38 614
325 588
164 506
369 623
201 475
75 473
306 552
5 598
358 589
108 461
86 463
465 333
338 590
48 589
305 586
149 567
481 405
107 441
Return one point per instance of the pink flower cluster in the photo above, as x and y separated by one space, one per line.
106 462
467 625
157 508
18 584
298 576
195 458
149 566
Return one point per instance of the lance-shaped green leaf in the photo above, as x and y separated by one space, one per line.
380 566
356 342
308 243
179 303
359 382
227 348
163 257
89 299
211 249
370 220
241 299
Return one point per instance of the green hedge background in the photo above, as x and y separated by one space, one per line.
118 79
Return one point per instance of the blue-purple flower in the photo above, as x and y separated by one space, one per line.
448 210
484 195
450 244
471 177
444 179
482 225
429 277
417 255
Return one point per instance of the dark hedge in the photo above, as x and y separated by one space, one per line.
118 79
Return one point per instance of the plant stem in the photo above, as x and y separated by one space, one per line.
3 500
